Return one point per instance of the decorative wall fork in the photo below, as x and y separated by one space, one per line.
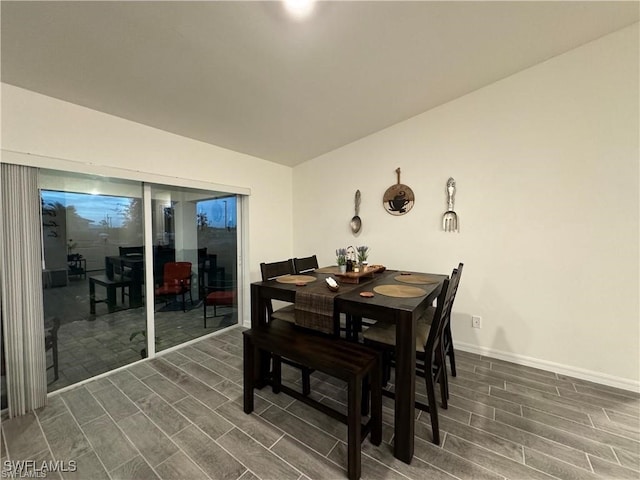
450 218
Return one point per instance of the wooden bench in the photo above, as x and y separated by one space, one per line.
111 284
348 361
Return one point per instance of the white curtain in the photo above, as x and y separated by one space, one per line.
21 281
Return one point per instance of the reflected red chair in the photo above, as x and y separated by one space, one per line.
218 298
176 281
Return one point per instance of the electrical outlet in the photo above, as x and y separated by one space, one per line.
476 321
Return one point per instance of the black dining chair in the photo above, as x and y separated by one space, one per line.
430 357
305 264
287 314
274 270
51 343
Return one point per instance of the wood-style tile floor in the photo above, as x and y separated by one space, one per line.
180 416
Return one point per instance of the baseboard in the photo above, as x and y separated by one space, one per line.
588 375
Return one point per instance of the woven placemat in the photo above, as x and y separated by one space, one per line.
296 279
416 279
400 291
334 269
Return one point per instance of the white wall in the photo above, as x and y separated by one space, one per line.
41 125
546 165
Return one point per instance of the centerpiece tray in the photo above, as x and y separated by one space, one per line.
354 277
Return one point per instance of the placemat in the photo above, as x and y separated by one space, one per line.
332 270
296 279
416 279
400 291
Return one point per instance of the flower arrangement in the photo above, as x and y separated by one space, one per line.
341 256
363 253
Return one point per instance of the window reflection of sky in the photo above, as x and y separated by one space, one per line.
91 207
220 212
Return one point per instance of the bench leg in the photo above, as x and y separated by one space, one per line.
355 429
249 356
276 374
376 404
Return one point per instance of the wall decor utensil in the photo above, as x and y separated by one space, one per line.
450 217
356 222
398 199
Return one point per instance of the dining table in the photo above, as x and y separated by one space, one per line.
135 262
392 296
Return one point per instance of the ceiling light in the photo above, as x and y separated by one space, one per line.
299 8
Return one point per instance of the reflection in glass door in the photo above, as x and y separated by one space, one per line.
195 280
93 275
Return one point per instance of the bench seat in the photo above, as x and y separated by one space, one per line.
348 361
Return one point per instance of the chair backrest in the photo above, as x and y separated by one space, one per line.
276 269
453 298
131 250
305 264
177 272
433 348
272 270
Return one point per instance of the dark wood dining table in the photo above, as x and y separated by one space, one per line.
136 264
403 312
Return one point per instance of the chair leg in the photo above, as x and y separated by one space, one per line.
55 359
205 312
450 352
184 305
433 407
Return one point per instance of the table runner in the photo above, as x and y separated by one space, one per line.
314 305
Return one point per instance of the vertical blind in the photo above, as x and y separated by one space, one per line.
21 283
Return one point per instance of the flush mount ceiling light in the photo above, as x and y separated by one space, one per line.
299 9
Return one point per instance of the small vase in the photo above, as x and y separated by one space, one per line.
342 268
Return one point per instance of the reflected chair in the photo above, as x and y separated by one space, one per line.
176 281
287 314
51 343
430 357
306 264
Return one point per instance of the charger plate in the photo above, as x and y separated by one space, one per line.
416 279
296 279
400 291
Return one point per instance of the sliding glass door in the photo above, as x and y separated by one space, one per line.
100 292
92 282
194 263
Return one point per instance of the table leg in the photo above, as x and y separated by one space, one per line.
259 319
405 386
111 298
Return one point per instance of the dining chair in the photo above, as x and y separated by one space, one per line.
51 343
176 280
287 313
306 264
430 357
274 270
447 338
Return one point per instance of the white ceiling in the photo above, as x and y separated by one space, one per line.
244 76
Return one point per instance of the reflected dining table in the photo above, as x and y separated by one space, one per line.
401 311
